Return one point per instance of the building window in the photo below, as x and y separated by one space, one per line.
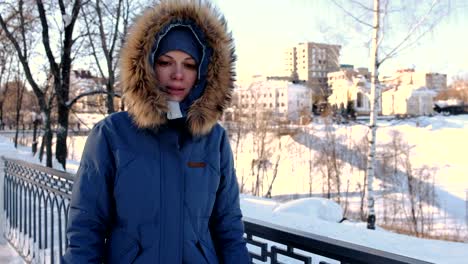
359 99
282 104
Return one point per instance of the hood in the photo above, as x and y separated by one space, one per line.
147 105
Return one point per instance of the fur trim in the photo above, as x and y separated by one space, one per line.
146 104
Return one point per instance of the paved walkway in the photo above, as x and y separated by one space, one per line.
8 254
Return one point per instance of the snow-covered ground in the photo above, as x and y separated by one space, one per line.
320 216
438 141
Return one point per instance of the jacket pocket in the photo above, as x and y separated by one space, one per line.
208 252
121 248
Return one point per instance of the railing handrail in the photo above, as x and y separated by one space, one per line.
323 246
256 230
38 167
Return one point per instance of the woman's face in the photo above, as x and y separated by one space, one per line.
176 72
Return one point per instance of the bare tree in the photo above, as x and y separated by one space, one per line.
361 147
238 130
19 87
458 90
418 27
421 194
60 70
329 161
106 23
18 28
261 141
5 73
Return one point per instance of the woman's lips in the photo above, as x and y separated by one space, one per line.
175 90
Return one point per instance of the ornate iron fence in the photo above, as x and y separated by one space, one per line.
270 243
36 203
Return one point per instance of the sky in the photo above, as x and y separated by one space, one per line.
263 29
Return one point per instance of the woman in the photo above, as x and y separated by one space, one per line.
157 184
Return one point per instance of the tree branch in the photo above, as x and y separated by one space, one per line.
351 14
116 28
72 102
397 48
91 42
23 61
45 39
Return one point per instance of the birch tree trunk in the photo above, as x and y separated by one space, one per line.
373 116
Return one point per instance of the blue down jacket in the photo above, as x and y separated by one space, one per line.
153 199
153 191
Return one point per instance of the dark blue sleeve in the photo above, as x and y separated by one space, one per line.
226 224
91 203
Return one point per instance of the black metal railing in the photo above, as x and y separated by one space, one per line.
270 243
36 203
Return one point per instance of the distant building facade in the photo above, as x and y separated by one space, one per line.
430 80
284 100
311 62
409 92
408 100
351 87
83 81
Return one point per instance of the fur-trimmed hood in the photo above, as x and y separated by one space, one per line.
146 103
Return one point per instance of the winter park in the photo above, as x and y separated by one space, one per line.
347 122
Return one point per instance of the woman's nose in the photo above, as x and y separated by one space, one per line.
177 73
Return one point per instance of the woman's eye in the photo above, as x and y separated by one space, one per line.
163 63
191 66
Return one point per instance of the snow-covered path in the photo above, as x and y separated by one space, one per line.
8 254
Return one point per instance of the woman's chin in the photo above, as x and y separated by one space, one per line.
176 98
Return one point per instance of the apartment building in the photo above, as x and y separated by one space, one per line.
311 62
283 100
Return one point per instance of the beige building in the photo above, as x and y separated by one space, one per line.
349 86
408 100
410 92
283 99
430 80
311 62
